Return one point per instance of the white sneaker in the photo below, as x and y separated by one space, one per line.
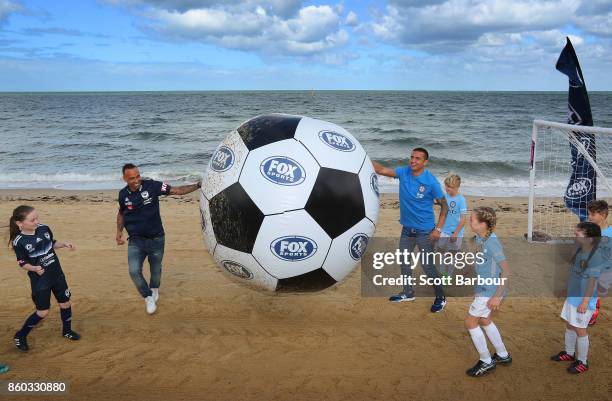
150 304
155 292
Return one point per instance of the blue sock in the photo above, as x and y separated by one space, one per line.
29 324
66 319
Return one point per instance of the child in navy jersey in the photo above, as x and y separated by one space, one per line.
34 248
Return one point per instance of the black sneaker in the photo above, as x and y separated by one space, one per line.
438 305
507 360
481 368
578 367
72 335
563 357
21 343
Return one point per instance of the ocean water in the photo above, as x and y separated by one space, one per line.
81 140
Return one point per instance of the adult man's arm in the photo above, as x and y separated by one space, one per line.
120 225
185 189
382 170
435 234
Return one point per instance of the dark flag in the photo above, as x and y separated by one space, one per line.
581 189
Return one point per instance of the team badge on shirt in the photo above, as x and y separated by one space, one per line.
421 193
145 194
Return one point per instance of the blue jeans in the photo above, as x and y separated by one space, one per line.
410 238
140 248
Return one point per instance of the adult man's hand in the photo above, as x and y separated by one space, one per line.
119 239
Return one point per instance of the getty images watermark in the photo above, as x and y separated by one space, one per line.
448 260
534 271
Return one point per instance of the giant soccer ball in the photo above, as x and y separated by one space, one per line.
288 203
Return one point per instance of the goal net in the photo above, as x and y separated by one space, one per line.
570 166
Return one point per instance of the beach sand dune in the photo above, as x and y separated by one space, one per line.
214 339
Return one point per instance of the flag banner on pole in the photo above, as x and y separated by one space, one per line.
581 188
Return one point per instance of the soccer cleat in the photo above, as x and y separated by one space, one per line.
578 367
507 360
155 294
21 343
481 368
150 305
72 335
562 357
401 298
4 368
438 305
596 313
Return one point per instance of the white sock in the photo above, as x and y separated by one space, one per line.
570 341
583 349
495 338
480 342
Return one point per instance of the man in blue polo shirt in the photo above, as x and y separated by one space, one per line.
419 190
139 215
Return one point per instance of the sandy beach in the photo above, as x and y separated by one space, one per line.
213 339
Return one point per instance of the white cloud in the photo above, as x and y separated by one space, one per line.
7 7
351 19
464 21
271 27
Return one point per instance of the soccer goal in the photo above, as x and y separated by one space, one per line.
560 154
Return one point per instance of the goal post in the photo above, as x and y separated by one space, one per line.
550 169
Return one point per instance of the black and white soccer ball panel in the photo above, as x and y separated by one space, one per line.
244 268
279 176
225 165
347 250
290 244
331 145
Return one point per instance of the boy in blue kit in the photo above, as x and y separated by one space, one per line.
598 214
454 226
418 192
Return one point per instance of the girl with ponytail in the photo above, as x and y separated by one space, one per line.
34 248
488 297
590 259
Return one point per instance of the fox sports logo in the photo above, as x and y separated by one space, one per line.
282 170
222 160
579 188
374 184
237 269
337 141
358 245
293 248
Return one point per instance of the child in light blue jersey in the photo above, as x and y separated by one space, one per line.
579 306
454 225
598 214
488 295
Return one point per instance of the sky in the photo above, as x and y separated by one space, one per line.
125 45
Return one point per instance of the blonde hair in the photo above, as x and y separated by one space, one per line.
486 215
452 180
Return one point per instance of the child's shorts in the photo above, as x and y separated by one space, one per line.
479 308
570 314
445 243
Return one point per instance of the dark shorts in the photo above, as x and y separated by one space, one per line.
41 295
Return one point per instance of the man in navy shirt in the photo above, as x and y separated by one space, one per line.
419 190
139 215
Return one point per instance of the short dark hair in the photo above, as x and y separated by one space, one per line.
598 206
422 150
127 166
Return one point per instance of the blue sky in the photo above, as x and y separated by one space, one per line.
292 44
